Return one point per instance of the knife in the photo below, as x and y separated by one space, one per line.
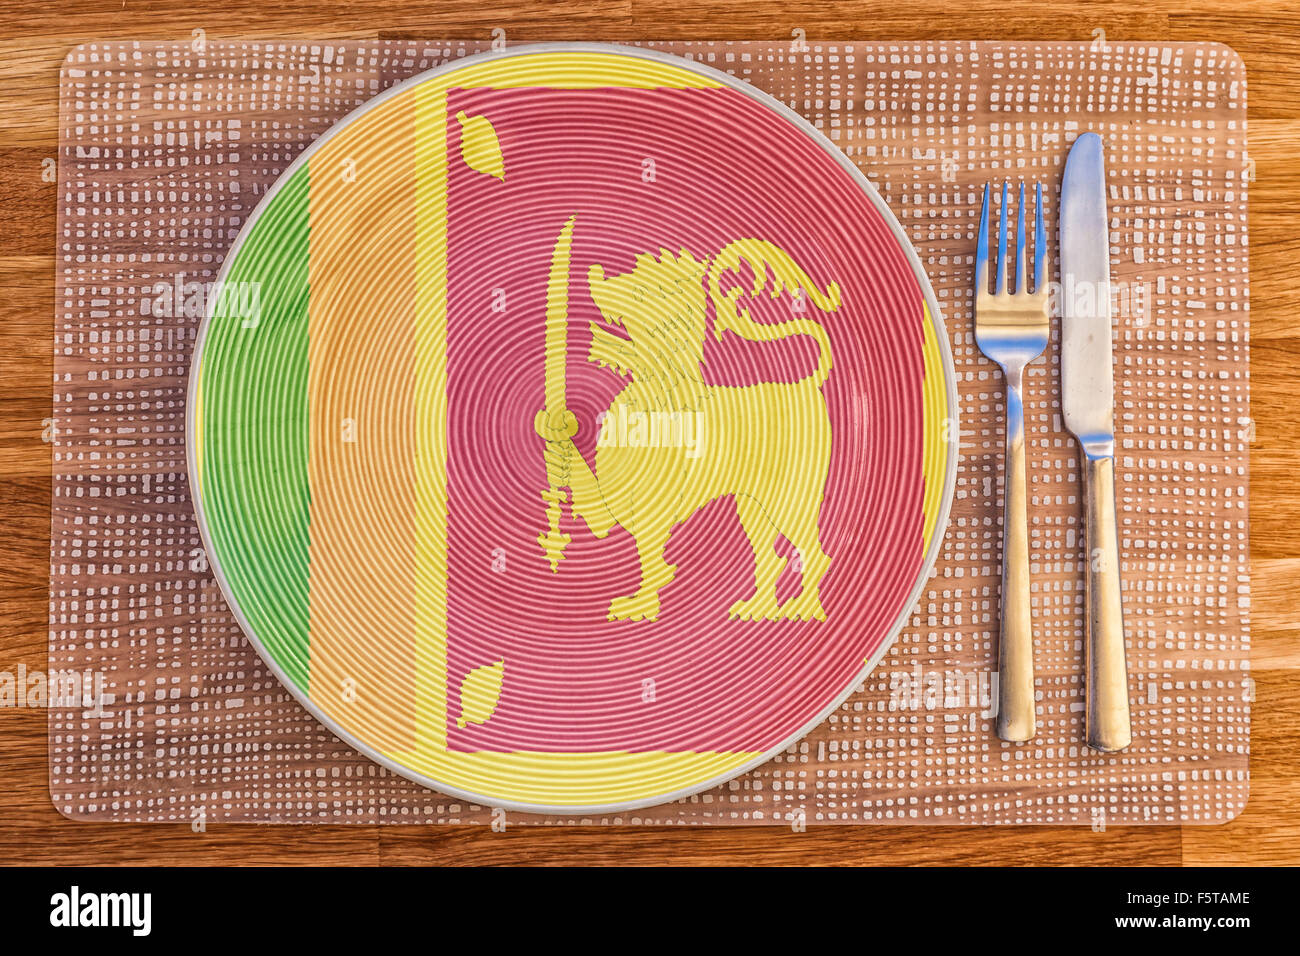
1088 402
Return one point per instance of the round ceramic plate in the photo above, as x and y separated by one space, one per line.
568 428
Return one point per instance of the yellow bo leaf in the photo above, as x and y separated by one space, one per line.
479 146
479 692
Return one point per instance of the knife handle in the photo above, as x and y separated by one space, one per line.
1108 725
1016 717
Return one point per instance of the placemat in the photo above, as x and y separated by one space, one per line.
160 710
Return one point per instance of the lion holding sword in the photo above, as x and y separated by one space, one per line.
670 443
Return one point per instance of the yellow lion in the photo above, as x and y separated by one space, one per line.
670 444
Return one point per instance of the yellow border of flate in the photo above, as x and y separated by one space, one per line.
542 779
935 425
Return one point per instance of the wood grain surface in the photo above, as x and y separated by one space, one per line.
33 41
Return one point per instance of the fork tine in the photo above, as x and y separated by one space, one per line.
982 248
1040 243
1001 275
1021 278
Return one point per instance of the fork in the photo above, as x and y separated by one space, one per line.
1011 329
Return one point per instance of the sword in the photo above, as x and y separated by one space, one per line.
554 423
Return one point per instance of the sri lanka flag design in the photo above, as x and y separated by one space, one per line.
754 376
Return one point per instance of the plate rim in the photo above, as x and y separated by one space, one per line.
900 237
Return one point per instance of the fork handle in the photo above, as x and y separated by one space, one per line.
1108 726
1016 718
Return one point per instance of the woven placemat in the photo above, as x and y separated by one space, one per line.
170 715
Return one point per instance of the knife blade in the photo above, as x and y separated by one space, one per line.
1088 407
1087 383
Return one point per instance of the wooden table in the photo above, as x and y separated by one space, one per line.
33 41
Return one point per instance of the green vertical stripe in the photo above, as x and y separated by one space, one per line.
254 429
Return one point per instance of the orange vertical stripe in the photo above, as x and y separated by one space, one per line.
431 415
362 458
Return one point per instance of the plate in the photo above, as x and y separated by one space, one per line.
569 428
